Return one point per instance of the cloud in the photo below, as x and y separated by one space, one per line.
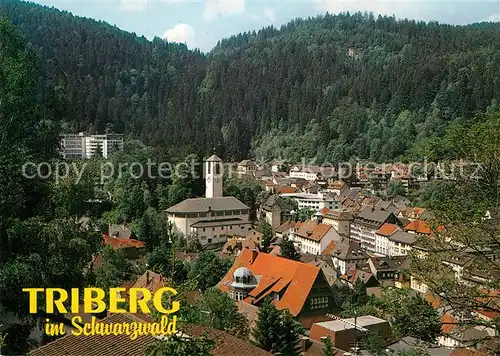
215 8
133 5
182 33
270 14
495 17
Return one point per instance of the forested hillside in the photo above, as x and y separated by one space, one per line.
331 87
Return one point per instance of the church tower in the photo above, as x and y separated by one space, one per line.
213 177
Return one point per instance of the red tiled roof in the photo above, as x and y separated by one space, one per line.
288 190
419 226
487 314
448 323
324 211
293 279
387 229
432 300
116 242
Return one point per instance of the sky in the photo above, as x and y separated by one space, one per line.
201 23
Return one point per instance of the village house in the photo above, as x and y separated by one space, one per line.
274 210
236 244
336 186
346 254
314 202
313 236
120 231
390 240
340 220
413 214
213 218
284 229
367 222
299 287
343 332
357 274
418 227
246 167
387 269
132 248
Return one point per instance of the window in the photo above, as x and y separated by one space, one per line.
209 241
222 228
217 168
204 229
209 166
213 228
230 227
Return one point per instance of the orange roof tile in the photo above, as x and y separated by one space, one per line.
288 190
116 242
292 278
434 301
448 323
419 226
387 229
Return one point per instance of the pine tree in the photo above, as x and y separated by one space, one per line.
327 346
288 250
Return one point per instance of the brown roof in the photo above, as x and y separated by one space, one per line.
311 230
292 279
150 280
120 345
287 225
98 345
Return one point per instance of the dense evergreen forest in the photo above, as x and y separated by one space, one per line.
329 87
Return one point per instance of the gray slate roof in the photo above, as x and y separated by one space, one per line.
403 237
202 205
347 249
376 215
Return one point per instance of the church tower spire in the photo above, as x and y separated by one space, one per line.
213 177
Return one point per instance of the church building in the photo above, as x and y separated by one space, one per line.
214 217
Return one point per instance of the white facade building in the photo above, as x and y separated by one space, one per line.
81 146
313 237
314 201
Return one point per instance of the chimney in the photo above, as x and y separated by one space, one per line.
254 255
304 343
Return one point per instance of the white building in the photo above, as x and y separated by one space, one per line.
214 217
81 146
73 146
246 167
314 201
311 173
313 237
390 240
366 223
